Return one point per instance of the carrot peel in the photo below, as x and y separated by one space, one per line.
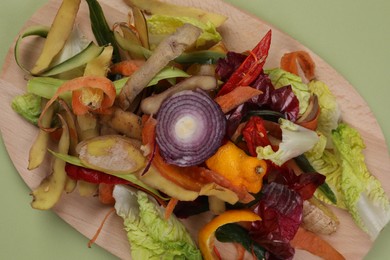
126 67
79 106
289 63
236 97
170 207
314 244
93 240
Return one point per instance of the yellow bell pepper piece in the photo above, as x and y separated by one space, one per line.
238 167
59 32
206 234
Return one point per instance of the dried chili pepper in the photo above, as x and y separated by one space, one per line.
251 68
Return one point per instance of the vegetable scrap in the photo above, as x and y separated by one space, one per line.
206 234
162 121
190 128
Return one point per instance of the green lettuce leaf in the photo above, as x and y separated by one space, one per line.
28 106
364 196
327 163
149 234
160 26
295 141
330 112
281 78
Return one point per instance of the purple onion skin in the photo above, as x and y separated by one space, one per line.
190 128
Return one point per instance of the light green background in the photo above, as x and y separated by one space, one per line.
353 36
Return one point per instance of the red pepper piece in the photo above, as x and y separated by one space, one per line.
251 68
255 134
92 176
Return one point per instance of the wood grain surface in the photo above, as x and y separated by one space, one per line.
241 32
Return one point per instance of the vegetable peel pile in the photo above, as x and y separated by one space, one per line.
162 122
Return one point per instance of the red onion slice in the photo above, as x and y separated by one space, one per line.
190 128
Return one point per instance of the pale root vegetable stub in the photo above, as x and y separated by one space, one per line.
318 218
151 105
113 154
169 49
124 122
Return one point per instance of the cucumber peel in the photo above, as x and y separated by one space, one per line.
80 59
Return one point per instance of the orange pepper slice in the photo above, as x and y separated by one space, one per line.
207 233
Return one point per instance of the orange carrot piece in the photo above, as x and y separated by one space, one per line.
126 67
307 64
289 63
105 193
312 124
100 83
93 239
314 244
236 97
79 108
240 251
170 207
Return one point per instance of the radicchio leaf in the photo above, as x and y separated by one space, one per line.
281 100
226 66
264 84
305 184
234 119
280 209
284 100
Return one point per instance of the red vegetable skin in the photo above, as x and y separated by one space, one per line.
255 134
92 176
251 68
226 66
305 184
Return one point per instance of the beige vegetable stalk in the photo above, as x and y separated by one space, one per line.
124 122
319 219
169 49
152 104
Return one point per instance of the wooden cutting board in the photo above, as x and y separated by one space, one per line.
241 32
